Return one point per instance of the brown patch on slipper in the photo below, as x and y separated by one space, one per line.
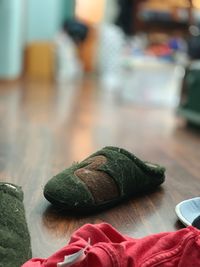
100 184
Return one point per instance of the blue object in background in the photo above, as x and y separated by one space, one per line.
44 18
11 41
26 21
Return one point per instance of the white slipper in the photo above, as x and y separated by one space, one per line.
188 210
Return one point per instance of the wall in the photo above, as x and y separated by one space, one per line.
10 38
50 15
47 23
67 9
25 21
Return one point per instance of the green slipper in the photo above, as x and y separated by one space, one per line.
15 248
103 179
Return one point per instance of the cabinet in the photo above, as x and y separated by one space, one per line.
165 16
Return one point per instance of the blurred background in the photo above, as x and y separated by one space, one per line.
107 57
115 41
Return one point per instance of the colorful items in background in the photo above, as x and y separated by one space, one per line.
160 50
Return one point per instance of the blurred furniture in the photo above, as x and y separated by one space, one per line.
164 16
39 60
190 95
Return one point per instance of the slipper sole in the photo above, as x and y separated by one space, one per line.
179 212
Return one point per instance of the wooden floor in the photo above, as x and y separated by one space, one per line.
45 127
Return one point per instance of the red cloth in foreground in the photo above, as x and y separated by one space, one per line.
111 249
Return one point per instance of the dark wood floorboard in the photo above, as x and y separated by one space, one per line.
45 127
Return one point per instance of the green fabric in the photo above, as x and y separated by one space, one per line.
15 248
190 115
189 107
67 190
131 175
193 92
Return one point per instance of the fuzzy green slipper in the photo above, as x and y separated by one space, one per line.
103 179
15 248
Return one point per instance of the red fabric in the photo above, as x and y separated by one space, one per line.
111 249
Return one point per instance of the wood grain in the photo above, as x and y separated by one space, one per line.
45 127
